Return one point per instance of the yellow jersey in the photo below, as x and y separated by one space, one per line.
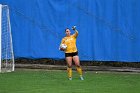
70 42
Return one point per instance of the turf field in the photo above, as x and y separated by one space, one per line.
41 81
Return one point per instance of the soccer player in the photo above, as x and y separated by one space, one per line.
71 52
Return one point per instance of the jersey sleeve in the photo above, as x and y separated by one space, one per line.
75 34
62 41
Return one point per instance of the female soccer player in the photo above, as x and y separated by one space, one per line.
71 52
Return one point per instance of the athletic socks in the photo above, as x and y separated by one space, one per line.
69 72
79 70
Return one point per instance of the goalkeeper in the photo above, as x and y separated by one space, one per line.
71 53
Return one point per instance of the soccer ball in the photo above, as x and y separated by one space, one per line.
63 47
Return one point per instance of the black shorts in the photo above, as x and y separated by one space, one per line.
71 54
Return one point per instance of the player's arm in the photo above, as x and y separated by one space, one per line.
76 31
62 42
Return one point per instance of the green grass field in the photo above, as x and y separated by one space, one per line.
41 81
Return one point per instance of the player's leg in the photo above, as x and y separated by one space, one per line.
78 67
69 67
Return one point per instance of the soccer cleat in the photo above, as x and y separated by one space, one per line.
70 78
81 78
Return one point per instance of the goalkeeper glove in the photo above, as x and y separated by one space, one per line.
74 28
